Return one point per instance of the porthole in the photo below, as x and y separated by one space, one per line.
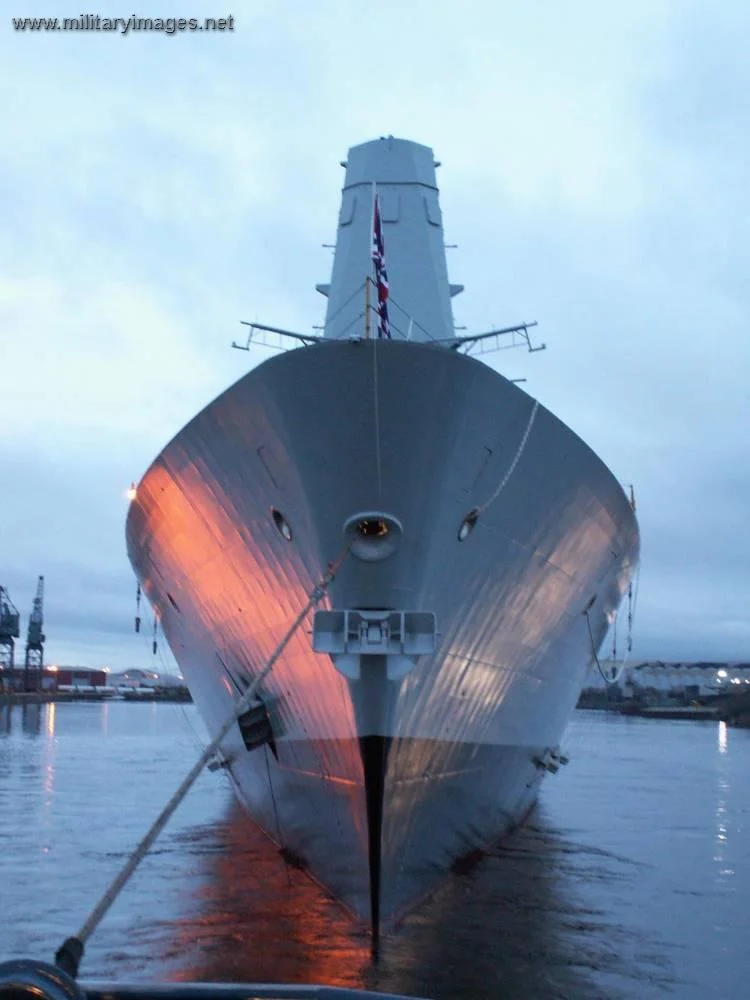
282 524
467 525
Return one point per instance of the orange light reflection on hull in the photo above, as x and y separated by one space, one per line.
212 565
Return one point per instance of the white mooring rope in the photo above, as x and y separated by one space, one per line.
69 955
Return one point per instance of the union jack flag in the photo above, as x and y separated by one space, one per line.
381 275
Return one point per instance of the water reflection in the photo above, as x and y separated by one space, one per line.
721 840
633 883
480 935
48 753
51 717
31 719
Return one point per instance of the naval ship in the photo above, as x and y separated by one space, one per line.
480 551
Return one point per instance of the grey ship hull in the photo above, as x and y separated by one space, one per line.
379 785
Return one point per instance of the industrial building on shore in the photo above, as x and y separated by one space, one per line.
691 679
101 680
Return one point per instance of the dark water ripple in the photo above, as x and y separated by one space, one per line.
631 880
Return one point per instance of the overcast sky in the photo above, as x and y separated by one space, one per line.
157 189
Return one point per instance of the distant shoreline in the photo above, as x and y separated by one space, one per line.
44 697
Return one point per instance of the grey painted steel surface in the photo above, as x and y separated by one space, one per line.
424 435
509 600
403 173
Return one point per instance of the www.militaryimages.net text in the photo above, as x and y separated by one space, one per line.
124 25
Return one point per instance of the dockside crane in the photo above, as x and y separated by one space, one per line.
34 659
9 632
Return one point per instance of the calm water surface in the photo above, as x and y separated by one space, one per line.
632 879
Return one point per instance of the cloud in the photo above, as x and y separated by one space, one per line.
163 188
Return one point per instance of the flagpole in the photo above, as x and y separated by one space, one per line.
368 279
367 307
